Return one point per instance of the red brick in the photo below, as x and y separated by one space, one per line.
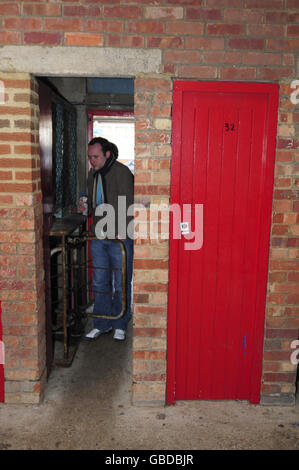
286 288
150 264
264 4
141 298
15 136
165 13
110 1
220 29
6 199
286 144
149 377
5 175
292 311
221 57
83 39
292 322
282 44
225 3
80 10
239 73
17 187
165 42
246 43
265 30
200 71
281 17
277 277
270 389
261 58
10 37
288 59
270 366
205 43
293 277
124 41
283 182
42 38
155 84
292 4
286 194
203 14
150 332
293 299
27 175
150 310
181 56
9 9
244 15
142 2
185 27
293 30
150 287
145 27
151 138
276 377
4 149
23 23
122 12
42 9
277 299
280 333
25 150
15 110
150 355
184 2
63 24
274 73
284 265
104 26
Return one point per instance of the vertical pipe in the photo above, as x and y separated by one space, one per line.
64 294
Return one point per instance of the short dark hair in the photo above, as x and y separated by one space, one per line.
105 144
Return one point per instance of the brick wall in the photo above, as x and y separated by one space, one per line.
21 258
236 40
153 97
282 312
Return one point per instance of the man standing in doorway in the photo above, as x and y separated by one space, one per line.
110 188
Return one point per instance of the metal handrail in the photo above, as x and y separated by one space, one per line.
87 237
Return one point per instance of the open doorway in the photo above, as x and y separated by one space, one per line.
116 126
111 110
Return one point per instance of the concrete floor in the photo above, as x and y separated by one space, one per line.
88 406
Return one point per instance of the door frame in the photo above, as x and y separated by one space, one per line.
272 91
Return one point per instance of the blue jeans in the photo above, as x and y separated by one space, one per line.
106 283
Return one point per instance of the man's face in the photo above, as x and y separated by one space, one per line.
96 156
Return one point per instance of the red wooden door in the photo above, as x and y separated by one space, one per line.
1 361
224 138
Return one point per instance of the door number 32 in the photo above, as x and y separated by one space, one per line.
229 126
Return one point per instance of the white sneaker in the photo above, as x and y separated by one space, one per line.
95 333
89 309
119 335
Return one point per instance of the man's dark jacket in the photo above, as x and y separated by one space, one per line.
116 180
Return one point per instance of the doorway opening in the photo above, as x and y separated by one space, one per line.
68 106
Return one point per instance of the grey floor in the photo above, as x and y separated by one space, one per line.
88 406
